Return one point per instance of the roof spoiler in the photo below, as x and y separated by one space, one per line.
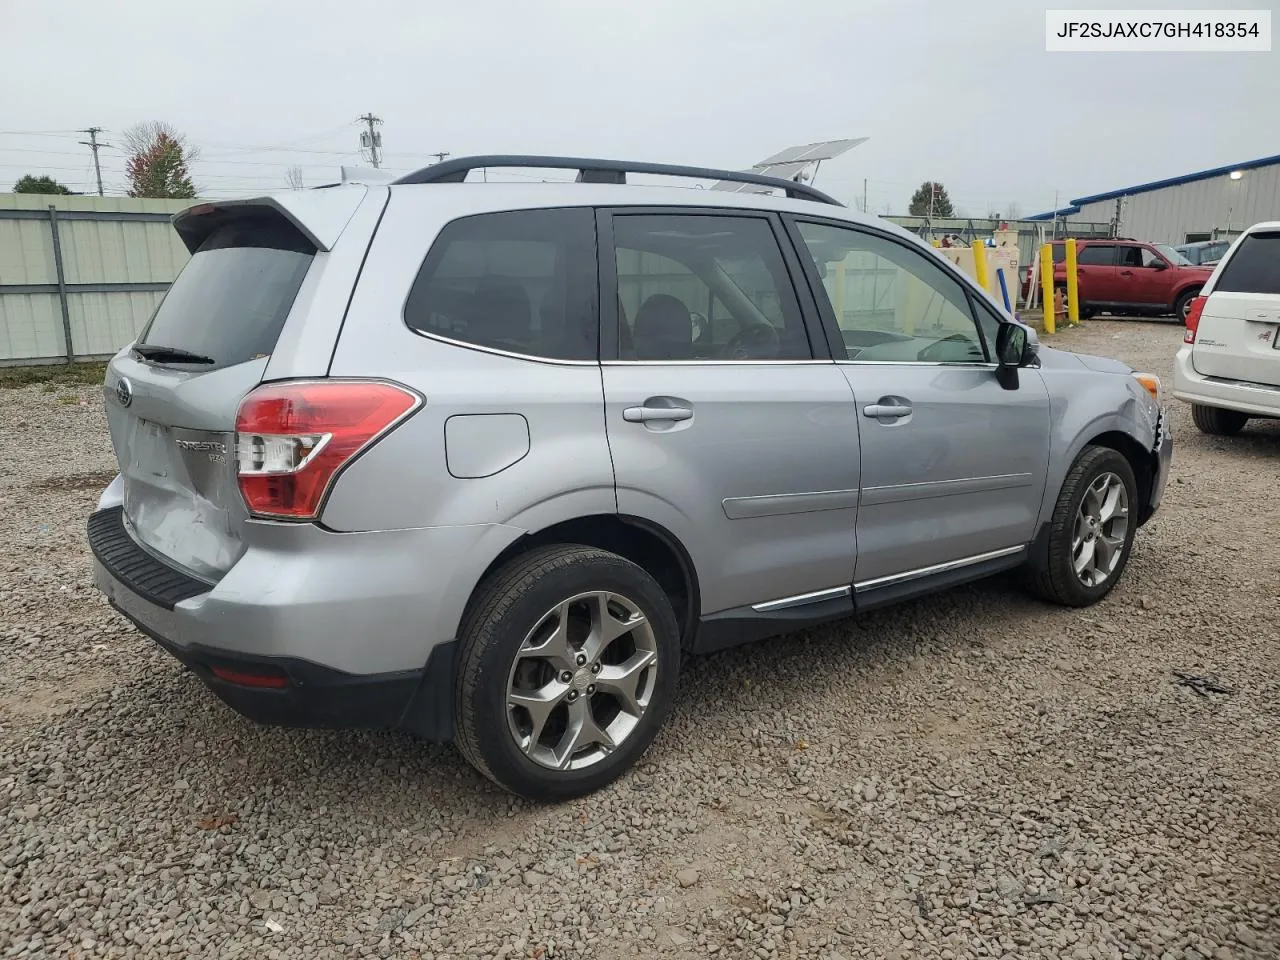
319 215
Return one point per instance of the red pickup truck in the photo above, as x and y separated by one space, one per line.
1130 277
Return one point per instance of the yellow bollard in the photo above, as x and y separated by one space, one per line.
1073 291
980 272
936 243
1046 287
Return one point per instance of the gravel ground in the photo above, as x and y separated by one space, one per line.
970 775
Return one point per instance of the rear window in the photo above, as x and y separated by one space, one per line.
231 299
1254 267
1096 255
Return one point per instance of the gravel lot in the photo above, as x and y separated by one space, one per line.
971 775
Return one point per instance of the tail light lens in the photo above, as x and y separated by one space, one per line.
1193 319
292 439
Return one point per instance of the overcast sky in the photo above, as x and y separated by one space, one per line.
959 92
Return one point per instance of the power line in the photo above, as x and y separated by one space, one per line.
95 146
371 139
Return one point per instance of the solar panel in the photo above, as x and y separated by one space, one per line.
810 152
788 163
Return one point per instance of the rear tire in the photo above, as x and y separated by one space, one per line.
544 709
1090 489
1218 422
1183 304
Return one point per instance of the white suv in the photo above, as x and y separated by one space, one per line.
1229 366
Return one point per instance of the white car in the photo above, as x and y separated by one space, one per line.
1228 368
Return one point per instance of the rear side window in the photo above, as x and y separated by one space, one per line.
230 301
1096 255
521 281
1254 267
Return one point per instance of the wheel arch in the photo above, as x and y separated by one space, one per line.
1141 460
645 543
1192 287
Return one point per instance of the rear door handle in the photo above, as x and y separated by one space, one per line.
658 409
1126 273
886 411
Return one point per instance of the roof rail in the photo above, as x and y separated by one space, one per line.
605 171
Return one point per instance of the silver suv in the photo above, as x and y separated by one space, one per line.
483 461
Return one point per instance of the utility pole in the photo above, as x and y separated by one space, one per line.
864 196
371 139
93 144
440 155
933 193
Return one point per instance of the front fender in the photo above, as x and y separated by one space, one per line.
1084 405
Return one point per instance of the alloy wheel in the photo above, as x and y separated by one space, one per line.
1101 530
581 680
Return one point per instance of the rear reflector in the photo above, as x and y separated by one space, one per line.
292 439
274 681
1193 319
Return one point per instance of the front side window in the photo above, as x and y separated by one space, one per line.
704 288
521 281
891 303
1129 257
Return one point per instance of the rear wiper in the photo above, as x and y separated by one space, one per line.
169 354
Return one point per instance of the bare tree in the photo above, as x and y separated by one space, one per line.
294 177
158 158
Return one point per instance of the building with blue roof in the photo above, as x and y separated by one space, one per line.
1197 206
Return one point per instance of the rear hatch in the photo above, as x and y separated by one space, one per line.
172 397
1239 326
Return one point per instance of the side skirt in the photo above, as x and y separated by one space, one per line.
742 625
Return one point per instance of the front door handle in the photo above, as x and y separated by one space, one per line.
886 411
658 409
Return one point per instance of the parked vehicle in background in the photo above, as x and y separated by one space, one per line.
1228 368
456 458
1204 253
1130 277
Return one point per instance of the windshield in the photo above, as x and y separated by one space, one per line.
1172 255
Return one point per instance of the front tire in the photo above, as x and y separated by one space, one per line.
1218 422
1091 531
567 668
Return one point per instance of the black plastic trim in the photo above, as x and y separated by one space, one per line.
894 593
590 170
740 625
418 701
151 579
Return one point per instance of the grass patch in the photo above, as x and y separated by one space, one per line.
54 375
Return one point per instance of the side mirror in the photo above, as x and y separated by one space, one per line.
1011 348
1159 265
1011 344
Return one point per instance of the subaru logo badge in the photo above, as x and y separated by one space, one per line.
124 391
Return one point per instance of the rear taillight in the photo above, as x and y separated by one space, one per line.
1193 319
292 439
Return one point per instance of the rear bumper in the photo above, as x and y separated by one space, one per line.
312 695
350 625
1255 399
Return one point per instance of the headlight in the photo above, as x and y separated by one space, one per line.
1151 382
